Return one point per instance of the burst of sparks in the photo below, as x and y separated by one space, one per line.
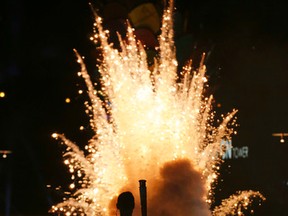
151 119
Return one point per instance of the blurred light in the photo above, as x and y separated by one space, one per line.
281 135
5 153
67 100
54 135
282 140
2 94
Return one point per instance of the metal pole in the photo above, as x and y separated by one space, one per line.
143 196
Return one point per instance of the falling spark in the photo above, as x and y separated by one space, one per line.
149 126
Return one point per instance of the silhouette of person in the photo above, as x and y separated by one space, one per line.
125 203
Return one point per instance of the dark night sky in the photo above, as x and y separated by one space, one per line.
247 43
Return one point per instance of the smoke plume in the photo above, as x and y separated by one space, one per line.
179 192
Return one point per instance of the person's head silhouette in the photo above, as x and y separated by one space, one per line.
125 203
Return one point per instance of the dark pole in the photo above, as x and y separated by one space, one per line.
143 197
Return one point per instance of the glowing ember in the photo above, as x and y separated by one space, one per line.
150 126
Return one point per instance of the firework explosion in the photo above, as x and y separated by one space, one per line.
152 125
